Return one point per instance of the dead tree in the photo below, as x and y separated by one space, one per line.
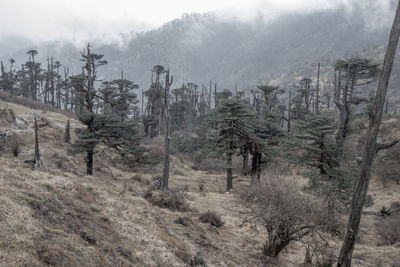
371 147
167 137
67 136
36 162
317 90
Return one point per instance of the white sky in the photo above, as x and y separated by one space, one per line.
82 19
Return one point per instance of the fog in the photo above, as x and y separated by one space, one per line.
25 22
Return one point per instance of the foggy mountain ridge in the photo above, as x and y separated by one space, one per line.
202 47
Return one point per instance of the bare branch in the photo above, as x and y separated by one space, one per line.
386 145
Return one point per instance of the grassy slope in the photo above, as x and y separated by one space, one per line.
59 216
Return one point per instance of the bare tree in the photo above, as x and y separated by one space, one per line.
167 137
371 147
67 136
36 162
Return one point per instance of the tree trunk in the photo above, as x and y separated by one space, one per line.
317 91
370 149
229 177
166 137
37 163
89 162
245 155
67 137
276 243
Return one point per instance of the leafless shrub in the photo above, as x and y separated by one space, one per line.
202 185
14 143
288 214
212 218
170 199
198 260
137 178
388 228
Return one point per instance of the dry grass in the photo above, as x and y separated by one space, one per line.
59 216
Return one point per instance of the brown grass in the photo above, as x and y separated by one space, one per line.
60 216
27 102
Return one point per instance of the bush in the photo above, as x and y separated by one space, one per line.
14 143
288 214
198 260
173 200
211 217
137 178
388 228
155 154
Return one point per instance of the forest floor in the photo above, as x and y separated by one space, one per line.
61 217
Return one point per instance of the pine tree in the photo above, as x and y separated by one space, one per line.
311 144
233 122
349 74
84 85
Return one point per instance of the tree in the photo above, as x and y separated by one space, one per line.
349 74
168 82
311 143
371 147
84 85
153 114
233 121
67 136
36 162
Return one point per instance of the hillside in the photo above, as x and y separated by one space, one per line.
59 216
203 47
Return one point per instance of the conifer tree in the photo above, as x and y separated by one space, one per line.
84 84
349 74
233 121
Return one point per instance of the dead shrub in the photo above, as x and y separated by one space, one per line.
173 200
155 153
137 178
212 218
198 260
388 228
288 214
14 143
185 221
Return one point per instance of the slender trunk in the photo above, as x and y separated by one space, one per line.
245 155
89 162
229 177
370 149
166 136
67 134
317 93
37 163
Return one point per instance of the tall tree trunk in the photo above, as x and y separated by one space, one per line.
229 177
67 137
245 155
89 162
371 148
317 91
166 137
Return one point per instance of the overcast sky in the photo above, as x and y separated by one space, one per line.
79 20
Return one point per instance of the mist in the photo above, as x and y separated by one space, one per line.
27 23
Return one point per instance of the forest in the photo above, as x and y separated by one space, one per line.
329 129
